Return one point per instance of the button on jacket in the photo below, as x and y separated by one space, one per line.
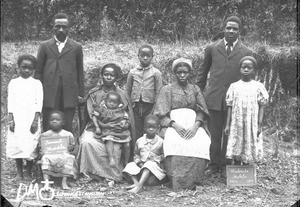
148 149
144 84
223 70
67 66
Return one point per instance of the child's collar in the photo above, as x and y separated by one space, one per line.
151 141
144 68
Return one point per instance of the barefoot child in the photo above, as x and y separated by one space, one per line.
58 165
112 123
143 85
148 154
24 103
246 100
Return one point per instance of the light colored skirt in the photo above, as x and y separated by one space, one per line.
174 144
185 160
93 159
133 169
63 165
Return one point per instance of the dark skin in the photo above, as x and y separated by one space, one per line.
109 77
145 56
231 31
112 102
247 71
151 128
182 74
61 30
25 69
56 123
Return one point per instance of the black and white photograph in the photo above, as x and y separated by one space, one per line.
161 103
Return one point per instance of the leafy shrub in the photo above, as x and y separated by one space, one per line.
273 21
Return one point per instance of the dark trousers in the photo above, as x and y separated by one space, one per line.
141 110
218 147
59 105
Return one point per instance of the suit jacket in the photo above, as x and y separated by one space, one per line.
68 65
223 71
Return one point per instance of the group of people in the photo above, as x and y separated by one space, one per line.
148 133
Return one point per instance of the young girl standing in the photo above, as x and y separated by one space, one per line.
246 100
25 100
58 165
148 154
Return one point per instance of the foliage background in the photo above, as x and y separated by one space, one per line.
273 21
112 31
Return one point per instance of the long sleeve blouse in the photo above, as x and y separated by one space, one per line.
174 96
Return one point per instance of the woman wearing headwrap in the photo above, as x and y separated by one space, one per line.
92 155
182 110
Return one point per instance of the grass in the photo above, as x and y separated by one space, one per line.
277 174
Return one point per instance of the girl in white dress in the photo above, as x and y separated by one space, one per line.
25 100
246 100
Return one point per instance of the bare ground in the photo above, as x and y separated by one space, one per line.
277 183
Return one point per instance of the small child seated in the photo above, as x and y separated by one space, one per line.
112 123
58 165
148 154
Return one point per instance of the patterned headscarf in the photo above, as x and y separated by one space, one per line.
182 60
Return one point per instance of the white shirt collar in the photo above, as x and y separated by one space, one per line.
233 44
60 41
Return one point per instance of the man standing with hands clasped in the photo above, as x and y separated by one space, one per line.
221 60
60 69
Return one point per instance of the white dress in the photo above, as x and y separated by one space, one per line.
245 98
25 98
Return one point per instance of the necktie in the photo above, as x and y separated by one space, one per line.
60 46
229 45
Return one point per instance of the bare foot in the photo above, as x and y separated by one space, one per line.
130 187
112 162
136 189
111 183
65 186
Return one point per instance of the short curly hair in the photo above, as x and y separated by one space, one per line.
27 57
233 19
152 117
60 16
55 111
146 46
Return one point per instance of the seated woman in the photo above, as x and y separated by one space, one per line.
92 156
182 109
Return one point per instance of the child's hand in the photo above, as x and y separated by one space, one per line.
116 128
12 126
71 148
226 130
98 131
34 126
140 164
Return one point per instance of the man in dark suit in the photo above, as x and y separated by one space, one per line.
221 60
60 69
